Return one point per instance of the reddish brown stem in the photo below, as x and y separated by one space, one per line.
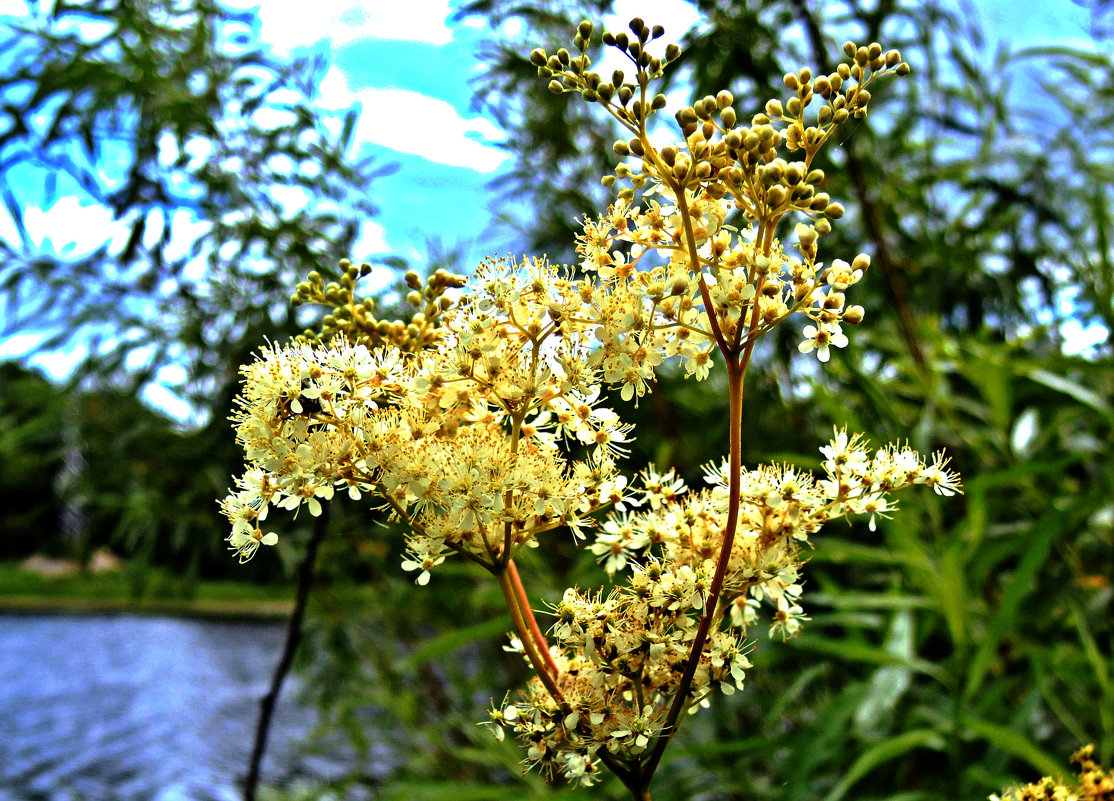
531 621
735 375
524 636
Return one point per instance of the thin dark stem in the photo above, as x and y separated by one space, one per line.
293 638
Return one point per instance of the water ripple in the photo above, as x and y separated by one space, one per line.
131 708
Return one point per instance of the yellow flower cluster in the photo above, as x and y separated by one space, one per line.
621 660
461 440
479 423
1093 783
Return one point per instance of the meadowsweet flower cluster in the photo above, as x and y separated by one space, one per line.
478 424
1093 783
460 440
620 659
780 508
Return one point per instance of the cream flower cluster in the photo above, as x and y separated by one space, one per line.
480 424
781 508
461 441
621 659
649 295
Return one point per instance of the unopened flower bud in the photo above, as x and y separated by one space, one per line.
853 315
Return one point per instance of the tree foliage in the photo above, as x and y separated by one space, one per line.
223 179
197 178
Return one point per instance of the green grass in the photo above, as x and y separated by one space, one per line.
154 591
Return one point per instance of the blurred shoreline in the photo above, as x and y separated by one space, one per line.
204 610
37 586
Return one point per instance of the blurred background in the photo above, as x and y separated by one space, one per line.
169 169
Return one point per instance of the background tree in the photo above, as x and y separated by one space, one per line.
222 182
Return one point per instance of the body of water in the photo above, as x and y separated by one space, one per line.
121 708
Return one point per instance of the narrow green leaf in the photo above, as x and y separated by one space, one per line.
952 591
451 791
868 600
1015 743
1073 390
841 551
1037 546
890 682
884 752
857 652
449 641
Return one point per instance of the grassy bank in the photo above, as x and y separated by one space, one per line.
154 591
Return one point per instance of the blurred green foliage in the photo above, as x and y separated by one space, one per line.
225 182
960 648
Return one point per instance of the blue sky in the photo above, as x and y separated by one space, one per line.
407 59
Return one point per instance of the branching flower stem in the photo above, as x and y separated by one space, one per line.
735 375
531 621
522 631
623 669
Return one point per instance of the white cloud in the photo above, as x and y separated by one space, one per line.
372 238
20 344
676 16
418 124
287 24
72 227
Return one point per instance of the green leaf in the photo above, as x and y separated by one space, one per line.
452 791
450 641
1015 743
1037 546
857 652
952 591
1073 390
842 551
890 682
884 752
